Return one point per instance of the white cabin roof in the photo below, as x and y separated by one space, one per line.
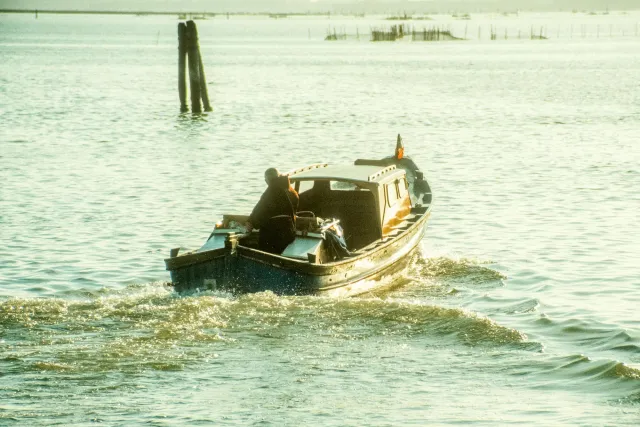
352 173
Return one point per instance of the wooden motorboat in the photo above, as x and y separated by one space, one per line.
381 207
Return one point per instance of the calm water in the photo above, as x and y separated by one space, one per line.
522 307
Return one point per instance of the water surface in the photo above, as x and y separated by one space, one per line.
520 308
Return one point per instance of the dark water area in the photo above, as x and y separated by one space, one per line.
521 306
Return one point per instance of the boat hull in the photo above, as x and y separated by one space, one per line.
241 269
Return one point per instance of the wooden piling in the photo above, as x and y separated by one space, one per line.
194 66
204 93
182 63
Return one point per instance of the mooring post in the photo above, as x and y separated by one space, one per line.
182 64
194 66
204 93
203 87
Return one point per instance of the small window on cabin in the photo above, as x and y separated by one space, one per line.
403 187
302 186
344 186
392 193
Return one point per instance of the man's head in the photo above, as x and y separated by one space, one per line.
270 175
399 148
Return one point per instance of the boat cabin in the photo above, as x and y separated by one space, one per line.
369 200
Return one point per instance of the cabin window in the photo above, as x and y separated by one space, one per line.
392 193
403 188
344 186
302 186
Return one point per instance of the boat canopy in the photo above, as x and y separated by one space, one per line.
366 174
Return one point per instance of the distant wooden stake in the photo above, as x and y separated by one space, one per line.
182 64
204 94
194 66
203 87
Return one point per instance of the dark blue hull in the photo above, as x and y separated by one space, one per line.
240 269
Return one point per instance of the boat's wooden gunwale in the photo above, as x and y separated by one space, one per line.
285 263
381 268
328 268
193 258
357 277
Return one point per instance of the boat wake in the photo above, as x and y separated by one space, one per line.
469 270
151 328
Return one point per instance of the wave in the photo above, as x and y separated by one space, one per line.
597 375
592 336
152 327
468 271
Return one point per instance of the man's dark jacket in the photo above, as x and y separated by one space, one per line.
274 215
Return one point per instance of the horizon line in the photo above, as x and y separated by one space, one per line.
308 13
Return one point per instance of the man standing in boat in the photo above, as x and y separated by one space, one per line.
274 214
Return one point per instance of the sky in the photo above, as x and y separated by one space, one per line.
366 6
